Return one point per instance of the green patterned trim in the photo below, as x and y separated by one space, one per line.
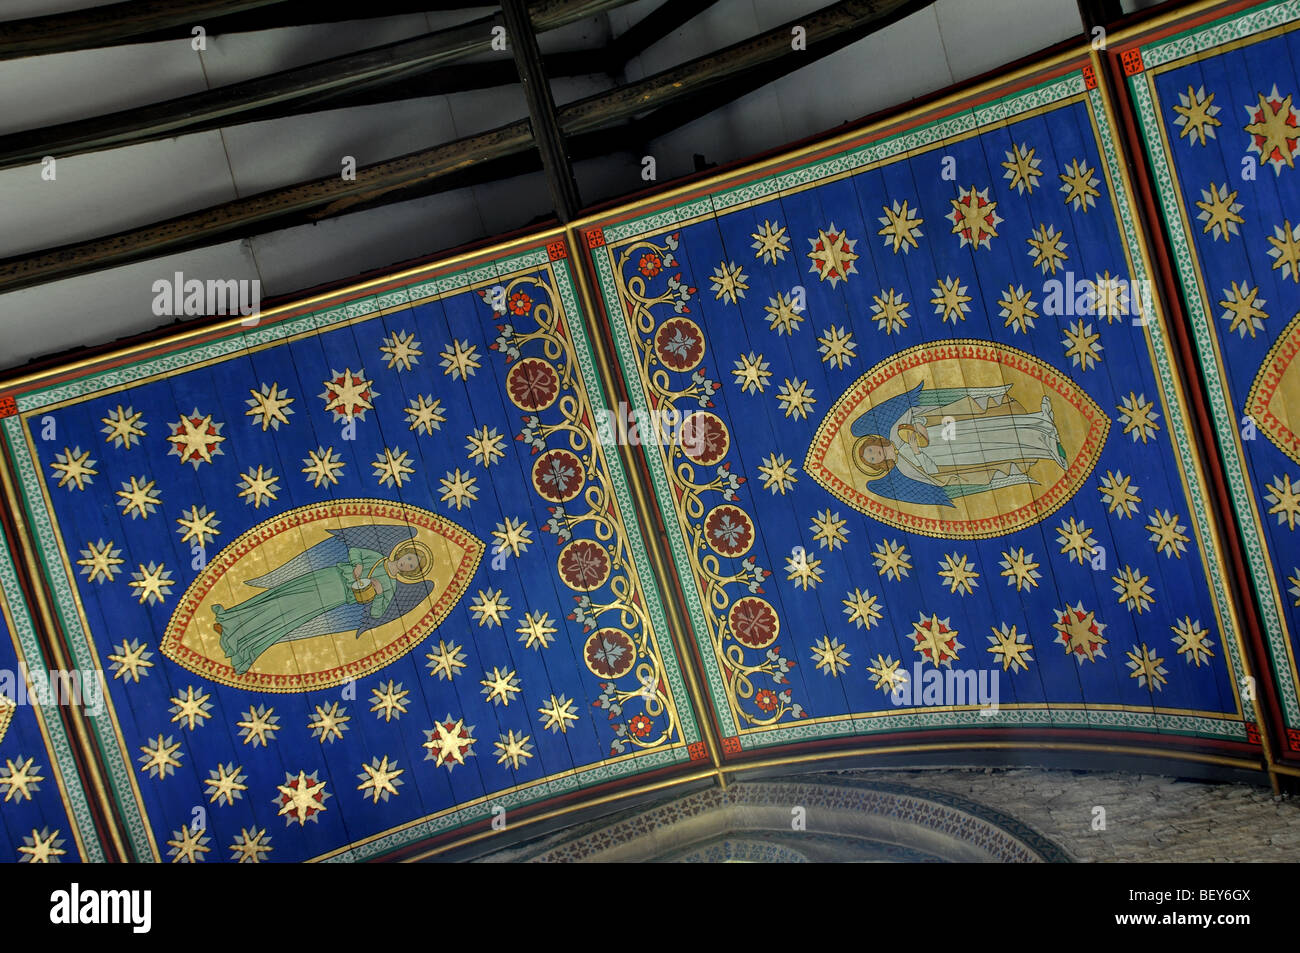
1223 31
72 789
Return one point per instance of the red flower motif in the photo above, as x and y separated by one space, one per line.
766 700
532 384
679 344
753 622
558 475
520 303
584 565
728 530
640 725
609 653
650 264
704 438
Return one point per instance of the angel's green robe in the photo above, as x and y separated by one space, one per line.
252 627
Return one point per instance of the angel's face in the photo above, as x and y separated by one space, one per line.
408 563
875 455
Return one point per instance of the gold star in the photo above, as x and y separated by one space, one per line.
1022 169
450 743
269 407
402 349
329 723
459 489
837 347
803 571
1294 579
1079 186
751 373
152 583
950 300
424 414
322 466
74 468
161 757
195 439
1286 250
446 660
199 525
302 798
935 640
259 487
892 560
1273 131
902 226
1193 640
959 572
1020 569
123 428
795 398
499 686
225 783
1011 647
536 630
557 714
259 726
513 748
831 657
392 467
1167 533
490 607
778 473
1134 593
100 561
512 536
460 359
975 218
770 243
42 847
1076 540
1285 498
188 845
1047 248
249 846
1139 416
379 779
1147 668
828 530
889 312
832 255
885 674
1017 306
728 282
1083 347
485 446
782 316
1119 493
389 700
1241 310
348 396
1080 633
1196 115
131 661
1219 210
861 608
20 779
192 708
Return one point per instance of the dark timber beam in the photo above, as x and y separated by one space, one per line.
541 110
668 16
397 179
1095 13
289 92
98 26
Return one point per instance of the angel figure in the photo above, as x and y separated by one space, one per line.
360 578
975 452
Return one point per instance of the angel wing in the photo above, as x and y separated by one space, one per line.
332 551
898 486
407 596
879 419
